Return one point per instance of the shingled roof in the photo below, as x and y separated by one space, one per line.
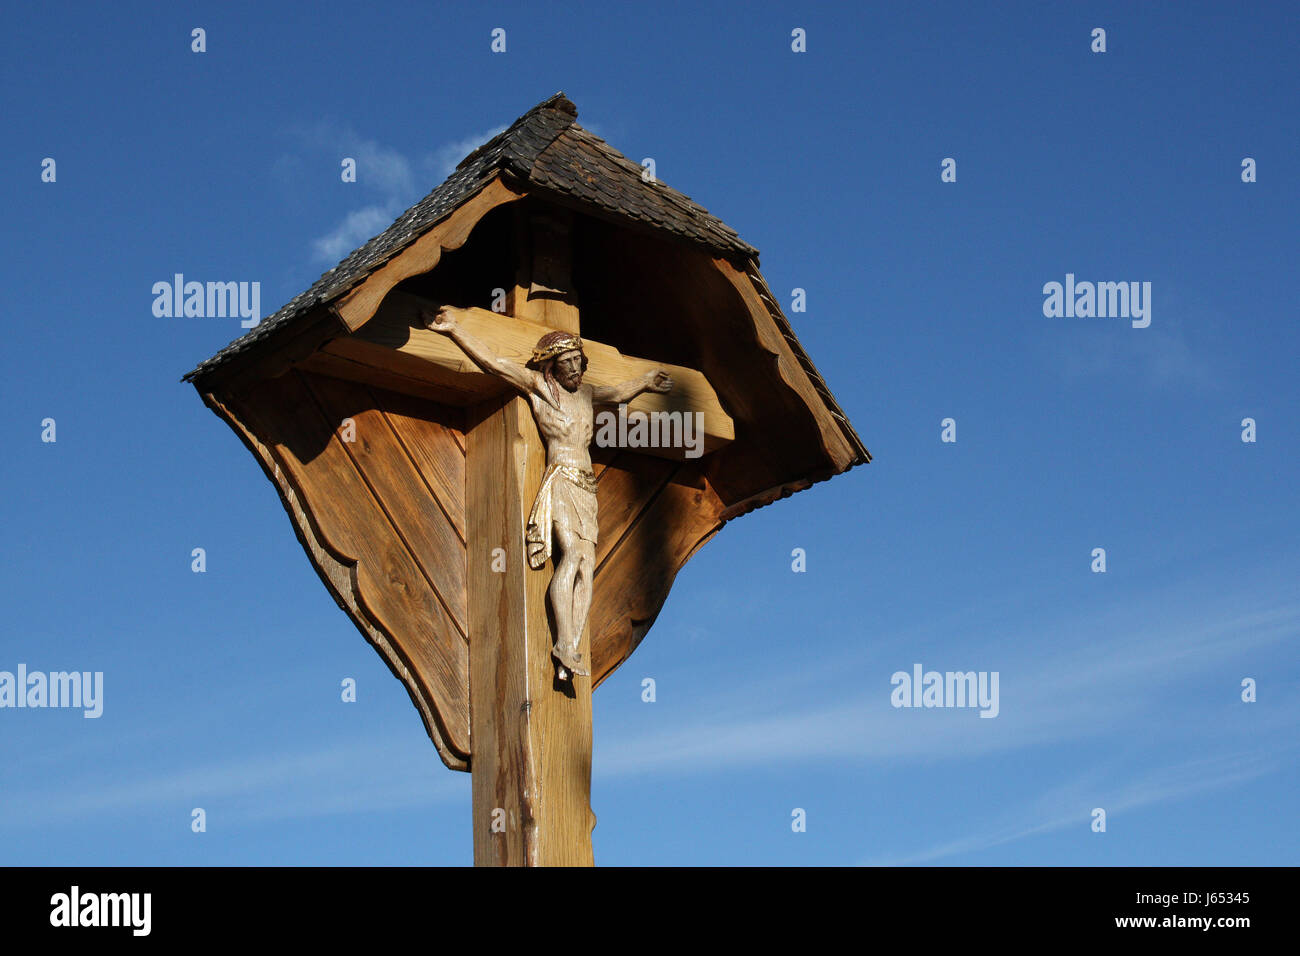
547 150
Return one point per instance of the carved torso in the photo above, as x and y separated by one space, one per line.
568 429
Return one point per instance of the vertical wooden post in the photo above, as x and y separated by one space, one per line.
543 290
531 734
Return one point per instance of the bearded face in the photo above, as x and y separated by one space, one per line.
568 369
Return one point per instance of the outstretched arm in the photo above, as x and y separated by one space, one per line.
656 381
445 322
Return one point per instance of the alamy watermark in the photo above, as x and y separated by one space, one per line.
1103 300
73 689
208 300
946 689
658 429
130 910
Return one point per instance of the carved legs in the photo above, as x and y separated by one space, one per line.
570 594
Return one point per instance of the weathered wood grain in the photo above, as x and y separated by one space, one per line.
532 760
389 589
544 290
356 361
624 491
401 491
835 445
338 580
633 582
436 448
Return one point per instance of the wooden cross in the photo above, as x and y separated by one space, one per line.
531 730
408 474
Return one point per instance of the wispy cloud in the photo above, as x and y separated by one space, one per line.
1138 663
390 181
1183 347
1070 691
350 776
1161 355
1071 804
445 157
356 227
1077 687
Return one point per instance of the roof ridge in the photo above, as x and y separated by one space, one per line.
557 102
547 151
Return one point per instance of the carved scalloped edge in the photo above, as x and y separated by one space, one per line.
340 579
358 305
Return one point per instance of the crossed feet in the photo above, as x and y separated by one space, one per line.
571 662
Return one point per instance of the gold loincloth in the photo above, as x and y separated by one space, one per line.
572 500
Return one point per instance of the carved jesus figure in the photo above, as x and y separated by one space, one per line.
565 506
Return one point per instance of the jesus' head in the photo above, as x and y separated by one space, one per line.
560 358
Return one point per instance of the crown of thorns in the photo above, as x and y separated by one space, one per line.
553 344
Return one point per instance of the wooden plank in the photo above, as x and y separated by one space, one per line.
397 326
862 456
338 579
532 762
358 305
373 365
769 495
436 448
543 291
631 586
602 458
391 591
448 386
551 311
837 448
624 491
396 483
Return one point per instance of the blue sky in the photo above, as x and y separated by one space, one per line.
1119 690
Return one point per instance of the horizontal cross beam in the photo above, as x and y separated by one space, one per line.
395 341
